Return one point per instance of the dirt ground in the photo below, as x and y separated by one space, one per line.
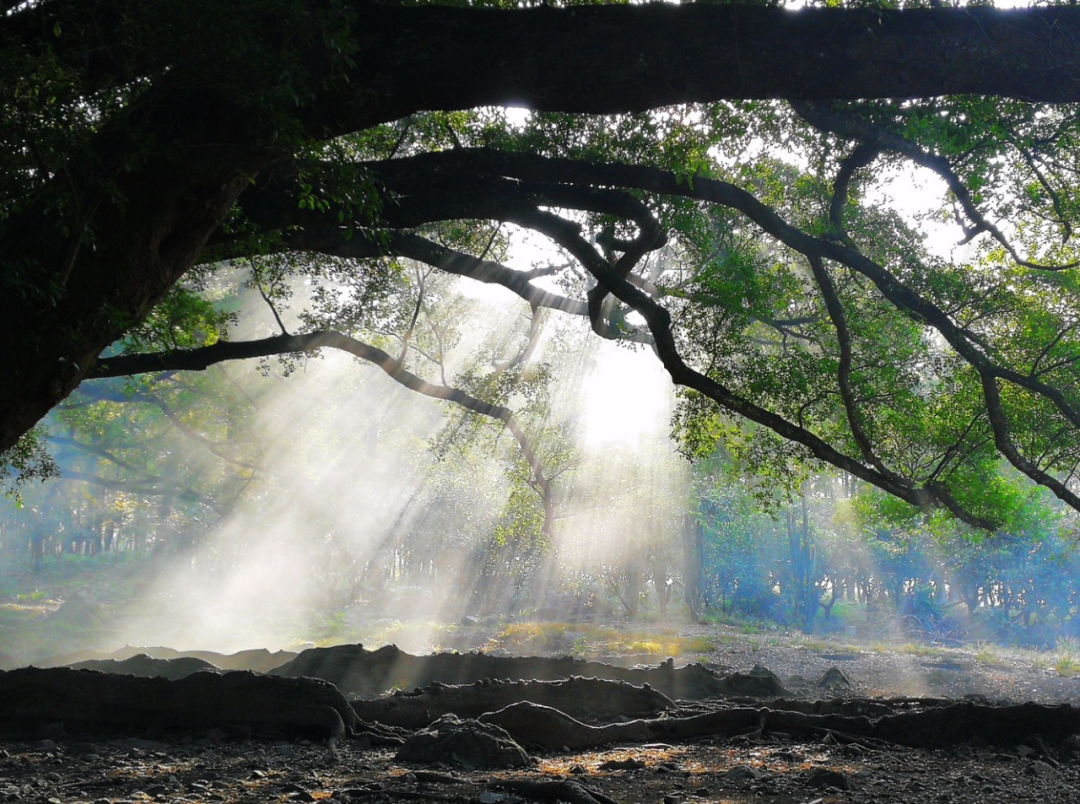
768 768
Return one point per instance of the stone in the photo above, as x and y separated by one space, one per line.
821 778
623 764
743 773
1041 770
760 682
834 678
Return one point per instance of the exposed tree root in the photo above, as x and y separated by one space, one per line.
148 667
72 700
550 728
369 673
932 727
260 660
568 791
39 702
576 697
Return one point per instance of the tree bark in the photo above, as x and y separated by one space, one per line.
608 59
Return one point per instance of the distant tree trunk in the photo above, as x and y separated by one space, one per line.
834 583
660 577
693 565
801 560
37 552
633 591
627 587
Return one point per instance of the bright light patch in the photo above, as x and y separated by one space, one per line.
627 396
517 116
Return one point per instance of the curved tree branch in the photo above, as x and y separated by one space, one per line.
204 357
480 183
843 373
825 118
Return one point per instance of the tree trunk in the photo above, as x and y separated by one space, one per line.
693 561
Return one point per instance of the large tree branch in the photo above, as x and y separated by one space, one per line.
658 320
765 217
412 197
333 242
657 54
204 357
539 180
835 309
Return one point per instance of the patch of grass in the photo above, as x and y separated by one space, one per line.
699 644
1067 664
918 649
645 646
809 643
583 639
987 653
1067 645
1067 656
848 650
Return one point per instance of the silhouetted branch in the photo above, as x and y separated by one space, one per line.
202 358
825 118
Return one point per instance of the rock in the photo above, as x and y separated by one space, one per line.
760 682
742 773
820 778
1041 770
834 678
623 764
1070 747
576 697
465 744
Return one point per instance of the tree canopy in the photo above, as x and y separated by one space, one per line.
709 170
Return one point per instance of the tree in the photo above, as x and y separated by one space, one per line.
138 149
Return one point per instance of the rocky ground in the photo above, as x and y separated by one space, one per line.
213 766
912 669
